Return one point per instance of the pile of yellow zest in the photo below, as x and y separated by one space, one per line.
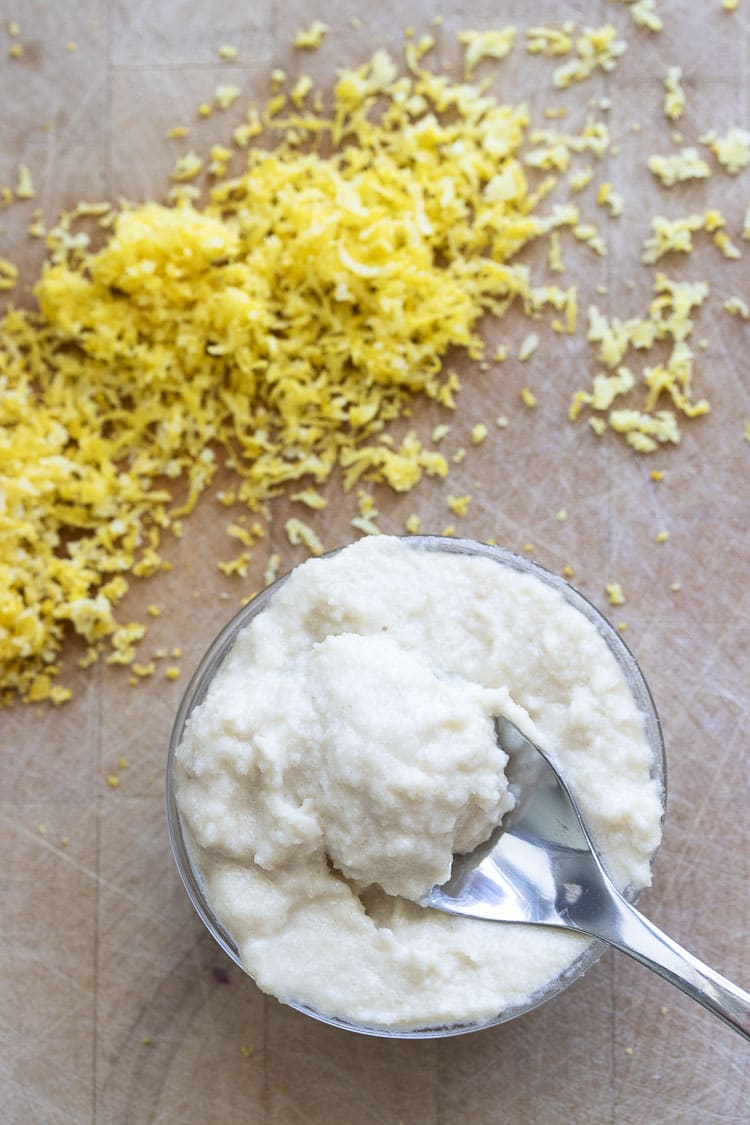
280 328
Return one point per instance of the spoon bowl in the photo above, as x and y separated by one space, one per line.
541 867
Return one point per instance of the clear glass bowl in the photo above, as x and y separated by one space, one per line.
210 664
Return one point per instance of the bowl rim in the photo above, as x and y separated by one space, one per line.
214 656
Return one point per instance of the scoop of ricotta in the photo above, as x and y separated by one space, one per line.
407 771
362 752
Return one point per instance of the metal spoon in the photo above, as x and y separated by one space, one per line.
542 868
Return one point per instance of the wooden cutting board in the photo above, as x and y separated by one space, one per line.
116 1005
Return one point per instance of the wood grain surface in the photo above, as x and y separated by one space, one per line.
116 1006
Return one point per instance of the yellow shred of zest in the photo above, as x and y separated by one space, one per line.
8 274
644 15
459 505
550 41
25 188
732 150
674 94
310 38
615 595
479 45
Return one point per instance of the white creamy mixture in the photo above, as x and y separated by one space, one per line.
346 749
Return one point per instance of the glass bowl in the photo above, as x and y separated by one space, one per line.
212 661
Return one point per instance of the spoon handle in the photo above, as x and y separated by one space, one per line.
626 928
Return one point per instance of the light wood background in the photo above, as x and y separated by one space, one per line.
116 1006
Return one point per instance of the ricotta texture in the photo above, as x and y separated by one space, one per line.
346 750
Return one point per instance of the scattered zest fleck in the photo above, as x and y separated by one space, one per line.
312 37
615 595
643 14
732 150
736 306
528 346
484 45
8 274
25 187
459 504
674 95
298 532
310 498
